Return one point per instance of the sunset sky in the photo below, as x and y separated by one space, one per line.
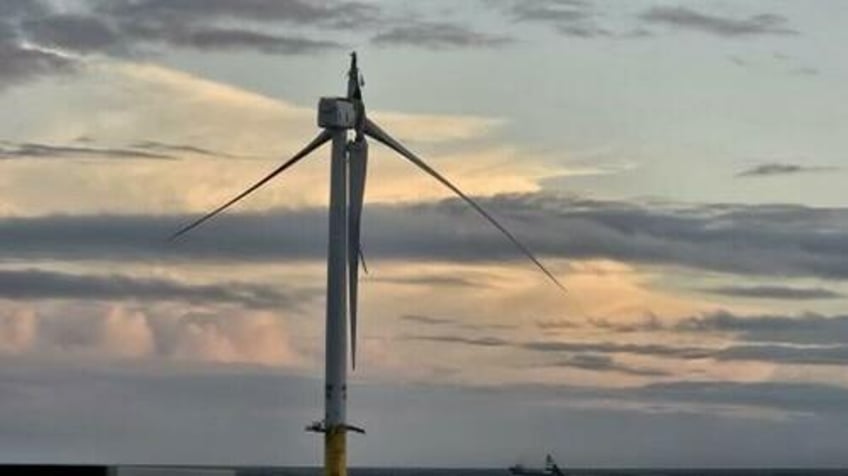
680 166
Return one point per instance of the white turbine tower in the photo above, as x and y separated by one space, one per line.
338 117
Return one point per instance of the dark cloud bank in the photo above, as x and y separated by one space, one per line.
24 62
438 35
806 339
768 240
584 19
128 27
600 356
773 169
32 34
245 415
574 18
35 37
85 149
142 27
35 284
10 151
603 363
775 292
726 26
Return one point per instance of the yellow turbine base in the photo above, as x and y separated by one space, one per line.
335 451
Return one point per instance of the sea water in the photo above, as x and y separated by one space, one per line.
566 471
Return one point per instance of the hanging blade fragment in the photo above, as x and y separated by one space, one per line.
374 131
320 140
357 168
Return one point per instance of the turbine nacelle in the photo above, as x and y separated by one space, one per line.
337 113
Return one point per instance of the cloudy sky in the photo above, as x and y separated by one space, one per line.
680 167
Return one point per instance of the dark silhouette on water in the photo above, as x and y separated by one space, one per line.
550 469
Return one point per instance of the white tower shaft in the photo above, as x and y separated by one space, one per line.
335 387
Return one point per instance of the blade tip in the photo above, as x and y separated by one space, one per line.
179 234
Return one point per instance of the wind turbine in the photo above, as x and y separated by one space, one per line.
338 116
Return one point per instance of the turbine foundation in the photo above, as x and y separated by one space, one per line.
335 451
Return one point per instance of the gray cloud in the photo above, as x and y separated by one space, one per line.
75 32
243 415
132 413
684 17
555 324
292 11
489 327
783 354
129 28
35 284
457 324
25 63
809 339
574 348
772 353
649 324
168 402
163 148
551 10
435 35
222 39
28 150
801 331
773 240
456 339
604 363
801 340
452 281
775 292
656 350
805 71
207 24
772 169
573 18
155 333
798 330
432 321
16 10
83 148
583 31
87 34
794 397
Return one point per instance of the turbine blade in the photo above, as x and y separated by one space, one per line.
374 131
323 137
357 168
362 260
